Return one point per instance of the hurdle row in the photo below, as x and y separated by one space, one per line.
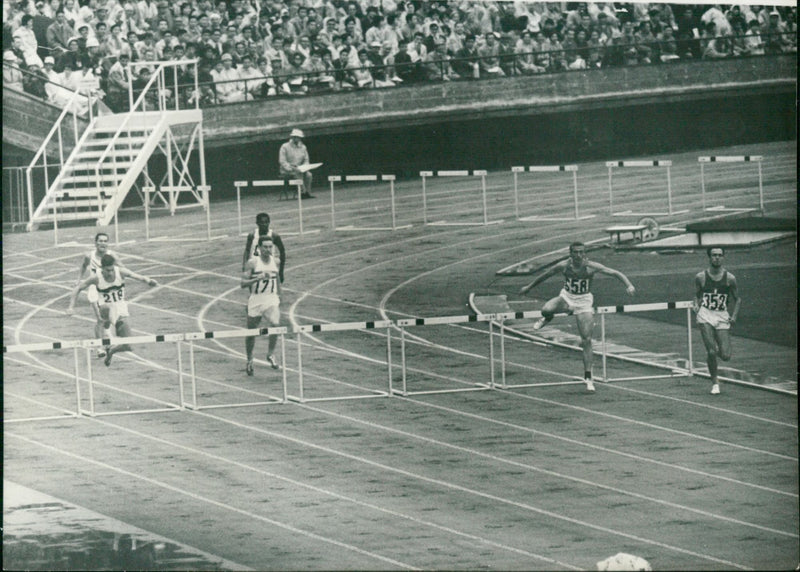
188 397
516 171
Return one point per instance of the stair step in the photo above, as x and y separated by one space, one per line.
103 167
106 180
121 140
83 203
91 192
97 153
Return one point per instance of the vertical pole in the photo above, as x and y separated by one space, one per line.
192 372
669 189
55 218
207 194
689 337
575 192
91 381
116 228
300 206
424 203
146 213
403 357
300 366
391 192
603 345
180 372
283 369
239 203
389 356
760 189
502 354
76 359
491 354
333 208
170 178
610 193
194 378
703 186
516 197
483 189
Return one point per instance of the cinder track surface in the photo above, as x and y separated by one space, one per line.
536 478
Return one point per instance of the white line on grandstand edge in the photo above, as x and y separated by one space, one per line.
533 468
213 502
453 486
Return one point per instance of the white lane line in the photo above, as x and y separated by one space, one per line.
210 501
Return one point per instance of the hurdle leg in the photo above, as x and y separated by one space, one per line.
491 354
300 366
300 206
610 194
91 381
483 190
424 203
603 346
575 192
180 372
192 377
760 189
669 190
403 358
689 338
283 361
391 192
76 359
516 197
502 354
389 358
206 190
703 186
333 209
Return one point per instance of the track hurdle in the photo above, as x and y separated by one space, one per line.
364 178
479 173
548 169
622 164
203 192
731 159
298 183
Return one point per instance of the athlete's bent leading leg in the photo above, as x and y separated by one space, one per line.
123 331
550 309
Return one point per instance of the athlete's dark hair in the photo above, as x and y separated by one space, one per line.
575 245
710 248
99 234
262 216
107 260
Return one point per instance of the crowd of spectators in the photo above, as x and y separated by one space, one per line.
251 49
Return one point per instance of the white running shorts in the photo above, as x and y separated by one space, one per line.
579 303
717 319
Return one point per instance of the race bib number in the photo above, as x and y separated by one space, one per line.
265 286
577 285
113 296
714 301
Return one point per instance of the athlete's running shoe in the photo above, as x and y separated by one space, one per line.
273 362
107 361
589 385
249 367
715 389
101 353
537 325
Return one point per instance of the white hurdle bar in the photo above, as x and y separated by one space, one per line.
465 173
298 183
548 169
364 178
203 191
668 164
731 159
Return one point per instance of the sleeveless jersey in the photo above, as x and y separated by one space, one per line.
111 292
715 293
264 292
577 281
94 261
254 245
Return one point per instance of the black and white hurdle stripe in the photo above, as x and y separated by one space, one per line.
331 327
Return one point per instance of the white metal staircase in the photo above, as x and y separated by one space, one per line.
111 155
